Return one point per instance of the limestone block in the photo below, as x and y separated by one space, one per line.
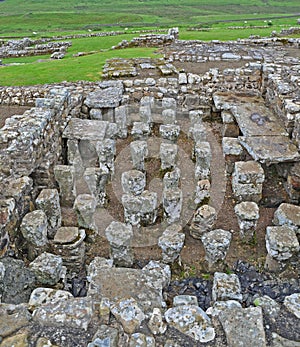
121 115
85 207
133 182
202 191
171 243
203 221
96 113
270 307
106 151
219 306
168 116
182 78
169 103
74 156
185 300
72 313
65 177
195 117
203 158
281 242
34 228
105 336
140 130
141 340
169 132
292 303
41 296
233 151
139 151
168 155
198 132
192 321
48 268
230 127
243 327
171 179
247 213
128 313
216 244
172 204
96 180
13 318
288 214
145 114
48 201
119 236
226 287
156 324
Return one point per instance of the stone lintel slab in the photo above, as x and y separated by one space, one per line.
85 129
270 150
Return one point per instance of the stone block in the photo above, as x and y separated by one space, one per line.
171 243
169 103
140 130
106 150
145 114
85 207
169 116
133 182
198 132
226 287
292 303
169 132
168 155
288 214
34 228
139 151
65 177
171 179
247 213
172 204
195 117
96 180
121 115
203 157
202 191
203 221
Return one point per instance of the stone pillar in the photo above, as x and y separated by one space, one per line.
247 181
119 236
74 156
216 244
169 116
171 243
34 228
169 132
140 130
195 117
226 287
69 244
202 191
203 221
233 152
281 244
247 213
133 182
172 204
106 151
121 121
138 150
198 133
48 201
65 177
96 180
203 159
171 179
145 114
168 155
85 206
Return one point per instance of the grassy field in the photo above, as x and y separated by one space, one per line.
36 18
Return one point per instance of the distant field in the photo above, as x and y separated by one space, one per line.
37 18
19 16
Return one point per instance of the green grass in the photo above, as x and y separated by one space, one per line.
88 68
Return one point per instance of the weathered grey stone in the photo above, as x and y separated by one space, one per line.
169 116
292 303
105 337
203 159
171 179
288 214
129 314
48 201
13 318
168 155
34 228
145 114
138 150
171 243
43 296
192 321
72 313
156 324
105 98
281 242
86 129
133 182
140 210
216 244
85 206
247 181
243 327
269 306
119 236
168 103
279 341
121 115
140 130
182 78
247 213
220 306
160 273
69 244
232 146
141 340
74 156
203 221
198 132
172 204
96 114
185 300
106 151
96 180
195 117
226 287
65 177
202 191
169 132
47 268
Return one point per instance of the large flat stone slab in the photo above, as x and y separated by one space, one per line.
105 98
85 129
270 150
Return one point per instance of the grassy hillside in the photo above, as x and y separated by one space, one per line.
19 16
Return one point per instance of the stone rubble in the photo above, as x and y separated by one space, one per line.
59 175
